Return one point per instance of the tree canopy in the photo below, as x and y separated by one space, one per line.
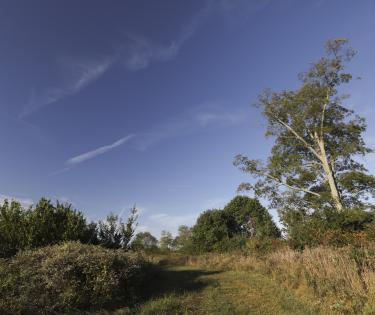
250 218
144 241
48 223
314 160
241 218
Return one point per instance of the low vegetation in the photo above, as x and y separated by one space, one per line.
340 281
69 278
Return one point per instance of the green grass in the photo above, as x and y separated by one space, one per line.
188 290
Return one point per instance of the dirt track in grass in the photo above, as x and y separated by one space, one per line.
190 290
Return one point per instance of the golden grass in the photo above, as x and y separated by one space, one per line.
342 281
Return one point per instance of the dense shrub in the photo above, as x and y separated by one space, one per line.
68 278
14 228
49 223
211 229
328 227
53 223
228 229
250 218
260 247
44 224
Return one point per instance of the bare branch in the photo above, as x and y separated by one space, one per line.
285 184
308 146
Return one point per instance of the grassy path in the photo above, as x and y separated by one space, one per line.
188 290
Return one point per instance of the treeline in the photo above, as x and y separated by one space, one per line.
48 223
216 230
242 225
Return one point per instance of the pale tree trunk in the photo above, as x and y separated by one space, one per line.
320 154
330 177
329 171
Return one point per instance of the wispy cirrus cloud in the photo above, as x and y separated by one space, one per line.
75 160
219 118
79 75
141 52
134 53
99 151
188 124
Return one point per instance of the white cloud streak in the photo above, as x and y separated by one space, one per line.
135 53
75 160
80 75
142 52
189 124
99 151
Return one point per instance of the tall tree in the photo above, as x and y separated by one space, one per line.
250 218
313 162
113 233
144 241
213 227
183 238
128 229
14 228
166 240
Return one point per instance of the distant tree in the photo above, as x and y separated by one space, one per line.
90 234
228 229
166 241
250 218
49 223
313 163
144 241
113 233
14 228
128 230
72 222
109 231
212 227
183 239
46 223
53 223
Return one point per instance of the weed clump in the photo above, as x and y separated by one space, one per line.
69 278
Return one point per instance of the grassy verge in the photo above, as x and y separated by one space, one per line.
192 290
341 281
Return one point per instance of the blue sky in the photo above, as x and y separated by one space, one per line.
109 103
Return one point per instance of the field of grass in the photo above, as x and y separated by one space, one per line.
191 290
73 278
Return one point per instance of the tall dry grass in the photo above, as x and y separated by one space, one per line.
340 280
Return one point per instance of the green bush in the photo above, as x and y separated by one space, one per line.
227 230
44 224
250 218
328 227
14 228
145 241
69 278
51 223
